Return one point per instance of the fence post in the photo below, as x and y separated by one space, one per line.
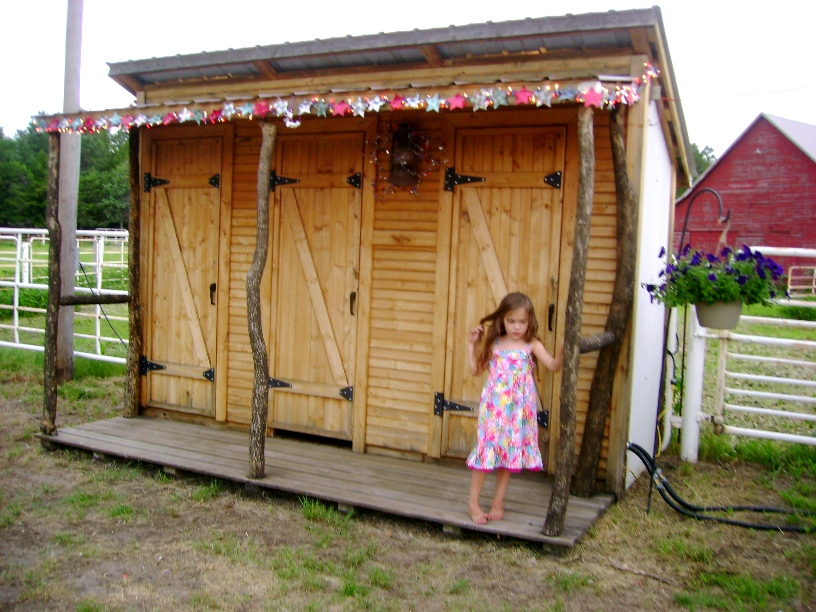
693 383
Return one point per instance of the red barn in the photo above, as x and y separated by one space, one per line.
767 179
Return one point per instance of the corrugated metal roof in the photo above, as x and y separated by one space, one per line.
452 44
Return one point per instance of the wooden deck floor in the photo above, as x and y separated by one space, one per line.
424 491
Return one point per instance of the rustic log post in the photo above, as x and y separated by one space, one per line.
620 311
260 387
554 522
133 381
48 425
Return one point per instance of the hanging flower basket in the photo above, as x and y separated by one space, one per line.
719 315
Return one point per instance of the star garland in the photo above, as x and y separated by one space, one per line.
598 93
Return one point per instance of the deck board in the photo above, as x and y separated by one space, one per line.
426 491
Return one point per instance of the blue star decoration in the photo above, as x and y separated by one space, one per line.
433 103
321 107
499 97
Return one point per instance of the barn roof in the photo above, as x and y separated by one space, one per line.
803 135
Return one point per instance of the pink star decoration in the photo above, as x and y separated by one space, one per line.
457 101
396 102
340 108
523 96
593 98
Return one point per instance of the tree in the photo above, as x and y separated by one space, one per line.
703 159
104 186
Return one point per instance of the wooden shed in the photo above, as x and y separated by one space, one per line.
369 286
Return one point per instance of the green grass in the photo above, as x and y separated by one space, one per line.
208 491
724 591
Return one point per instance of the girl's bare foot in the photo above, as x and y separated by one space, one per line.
495 515
479 517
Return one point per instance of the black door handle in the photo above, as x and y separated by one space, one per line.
212 294
353 303
550 314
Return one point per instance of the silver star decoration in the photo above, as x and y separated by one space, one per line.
185 115
305 107
140 120
359 107
414 101
433 103
321 107
281 107
499 97
543 97
375 103
291 123
228 110
478 100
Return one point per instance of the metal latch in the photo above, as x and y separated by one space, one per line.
146 366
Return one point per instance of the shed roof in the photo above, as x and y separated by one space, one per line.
426 66
521 39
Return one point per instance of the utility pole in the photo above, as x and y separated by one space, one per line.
68 191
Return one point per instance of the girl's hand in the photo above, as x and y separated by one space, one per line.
475 333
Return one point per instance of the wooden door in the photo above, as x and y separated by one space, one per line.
315 288
506 237
182 232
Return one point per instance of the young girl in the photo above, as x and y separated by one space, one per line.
508 431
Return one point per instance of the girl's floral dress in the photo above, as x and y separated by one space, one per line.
508 431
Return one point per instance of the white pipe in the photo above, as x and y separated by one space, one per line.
767 395
771 379
774 360
779 322
693 383
797 416
784 251
768 435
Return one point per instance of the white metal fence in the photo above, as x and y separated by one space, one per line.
765 383
101 267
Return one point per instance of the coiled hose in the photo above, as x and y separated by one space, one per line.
683 507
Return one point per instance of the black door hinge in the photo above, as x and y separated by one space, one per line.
543 419
146 366
441 405
347 393
275 180
215 180
452 179
275 383
554 179
210 375
150 182
355 180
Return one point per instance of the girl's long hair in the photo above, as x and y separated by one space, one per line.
494 326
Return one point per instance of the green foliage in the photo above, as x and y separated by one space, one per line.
704 278
209 491
104 185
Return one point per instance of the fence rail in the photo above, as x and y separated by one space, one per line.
101 268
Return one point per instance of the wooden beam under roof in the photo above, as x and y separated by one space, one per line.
431 54
266 69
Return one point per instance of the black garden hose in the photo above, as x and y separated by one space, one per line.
683 507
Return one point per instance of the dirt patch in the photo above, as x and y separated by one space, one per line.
80 533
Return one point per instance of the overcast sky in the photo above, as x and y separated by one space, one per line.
732 61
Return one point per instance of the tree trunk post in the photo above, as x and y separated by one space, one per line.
620 311
554 522
260 387
133 381
48 425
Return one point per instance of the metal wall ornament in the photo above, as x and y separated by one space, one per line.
410 155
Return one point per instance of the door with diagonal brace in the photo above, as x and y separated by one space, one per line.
316 247
180 249
507 237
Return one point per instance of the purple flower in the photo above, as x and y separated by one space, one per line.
711 257
742 279
662 252
695 259
686 250
760 272
712 277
